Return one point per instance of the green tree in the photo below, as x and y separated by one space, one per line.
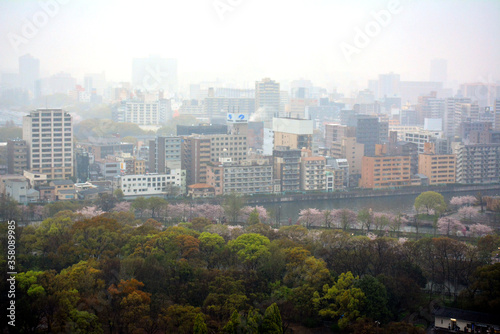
118 193
430 200
232 206
250 248
272 323
253 218
140 205
375 305
342 302
365 217
156 205
200 327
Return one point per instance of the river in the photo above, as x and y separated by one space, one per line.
392 204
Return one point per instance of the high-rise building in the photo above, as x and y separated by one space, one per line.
388 85
286 168
267 100
292 132
312 173
17 156
477 163
439 70
164 154
49 136
385 171
453 115
497 114
29 72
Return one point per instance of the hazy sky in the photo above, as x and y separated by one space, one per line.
284 40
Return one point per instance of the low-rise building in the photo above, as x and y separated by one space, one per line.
200 190
246 177
63 189
153 184
17 189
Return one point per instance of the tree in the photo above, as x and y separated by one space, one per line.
122 207
233 204
253 218
272 323
467 213
200 327
480 230
447 225
250 248
480 200
327 218
156 205
310 217
247 210
140 204
106 202
118 193
345 218
341 302
430 200
89 212
365 217
376 301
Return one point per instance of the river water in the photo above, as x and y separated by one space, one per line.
391 204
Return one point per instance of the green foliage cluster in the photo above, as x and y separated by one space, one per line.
115 274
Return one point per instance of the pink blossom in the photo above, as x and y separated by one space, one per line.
122 207
247 210
310 217
209 211
467 213
481 230
462 200
371 236
90 212
345 218
447 225
180 211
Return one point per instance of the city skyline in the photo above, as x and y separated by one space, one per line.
242 42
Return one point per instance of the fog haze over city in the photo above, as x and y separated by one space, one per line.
242 41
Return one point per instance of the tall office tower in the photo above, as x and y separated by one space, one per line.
49 135
164 154
155 73
294 133
430 107
29 71
453 115
497 115
267 100
484 93
439 70
388 85
367 131
17 156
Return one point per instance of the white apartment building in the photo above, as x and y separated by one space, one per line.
49 136
153 184
146 112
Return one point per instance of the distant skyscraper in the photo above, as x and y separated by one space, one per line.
29 71
49 135
155 73
267 100
439 70
388 85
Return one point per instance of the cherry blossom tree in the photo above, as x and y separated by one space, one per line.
89 212
467 213
209 211
462 200
345 218
179 211
480 230
310 217
327 218
448 225
396 222
247 210
122 207
381 220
